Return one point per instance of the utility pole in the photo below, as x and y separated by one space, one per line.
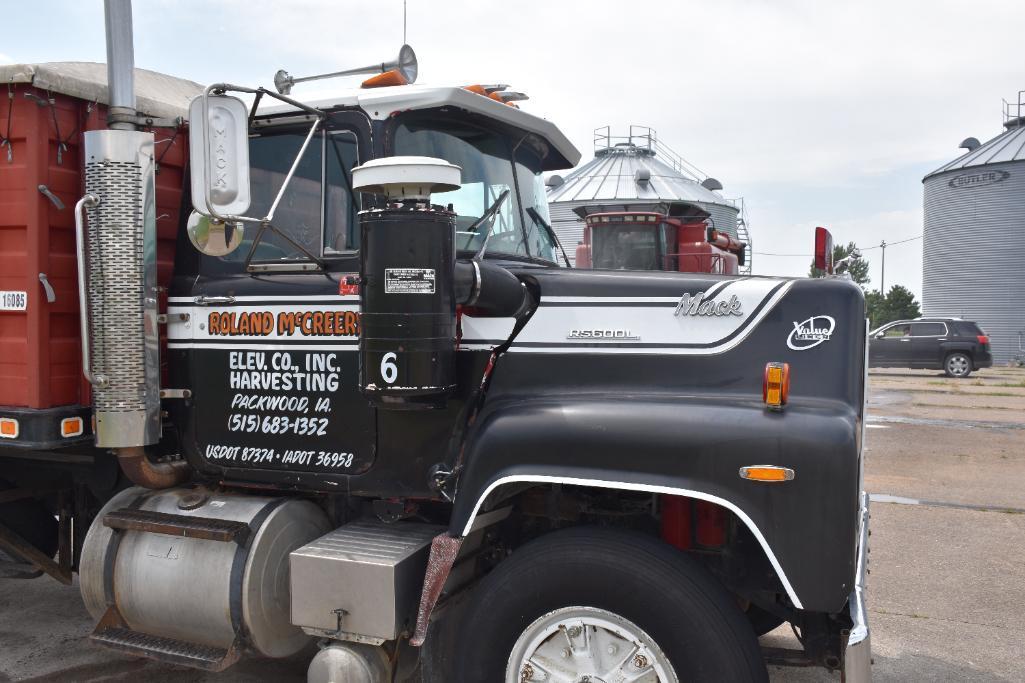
882 277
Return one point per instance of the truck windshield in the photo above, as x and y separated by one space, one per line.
491 163
626 247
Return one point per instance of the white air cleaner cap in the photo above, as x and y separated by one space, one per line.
406 177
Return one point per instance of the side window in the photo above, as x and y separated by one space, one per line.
341 204
318 210
898 331
928 330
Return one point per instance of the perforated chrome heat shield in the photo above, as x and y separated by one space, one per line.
122 250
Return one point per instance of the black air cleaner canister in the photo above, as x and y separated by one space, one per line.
408 319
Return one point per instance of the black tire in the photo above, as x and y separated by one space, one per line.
958 365
674 600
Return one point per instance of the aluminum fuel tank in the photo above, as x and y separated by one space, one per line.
209 592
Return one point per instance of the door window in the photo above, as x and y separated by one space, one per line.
897 331
928 330
318 209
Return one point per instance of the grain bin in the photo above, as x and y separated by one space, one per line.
974 238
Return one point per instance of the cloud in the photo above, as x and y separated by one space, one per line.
817 113
4 59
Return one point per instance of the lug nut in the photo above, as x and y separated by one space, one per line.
611 649
640 661
573 631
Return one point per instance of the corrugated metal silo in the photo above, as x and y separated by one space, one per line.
974 238
635 171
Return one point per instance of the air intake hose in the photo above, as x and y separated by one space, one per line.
488 289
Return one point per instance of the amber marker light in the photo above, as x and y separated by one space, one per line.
769 473
72 426
386 79
776 385
8 428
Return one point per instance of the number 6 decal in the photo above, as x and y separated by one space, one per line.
389 371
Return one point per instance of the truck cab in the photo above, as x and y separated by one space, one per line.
377 412
672 237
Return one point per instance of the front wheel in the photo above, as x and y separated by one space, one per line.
592 604
958 365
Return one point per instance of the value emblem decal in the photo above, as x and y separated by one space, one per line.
810 333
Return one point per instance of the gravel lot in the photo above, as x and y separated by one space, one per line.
945 465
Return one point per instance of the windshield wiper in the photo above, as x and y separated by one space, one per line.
535 215
492 214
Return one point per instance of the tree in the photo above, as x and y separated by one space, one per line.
857 267
898 304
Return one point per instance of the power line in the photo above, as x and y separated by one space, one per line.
877 246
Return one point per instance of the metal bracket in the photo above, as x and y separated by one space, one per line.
176 393
45 191
164 318
145 121
14 543
51 296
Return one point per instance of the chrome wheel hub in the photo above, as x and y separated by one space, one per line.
957 365
586 645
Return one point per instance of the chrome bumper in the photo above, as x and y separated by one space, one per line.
857 664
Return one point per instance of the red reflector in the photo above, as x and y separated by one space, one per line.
983 339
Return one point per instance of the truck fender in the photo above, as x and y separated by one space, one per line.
691 447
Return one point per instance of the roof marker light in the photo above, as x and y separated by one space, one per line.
386 79
776 385
768 473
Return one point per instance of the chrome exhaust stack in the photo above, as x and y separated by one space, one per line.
121 281
117 250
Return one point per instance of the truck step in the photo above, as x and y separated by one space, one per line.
165 649
206 528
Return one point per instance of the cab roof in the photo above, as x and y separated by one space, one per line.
381 103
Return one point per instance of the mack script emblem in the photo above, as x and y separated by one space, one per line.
811 332
696 305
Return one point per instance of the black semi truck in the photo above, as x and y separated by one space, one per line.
378 414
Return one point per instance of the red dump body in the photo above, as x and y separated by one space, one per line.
637 240
40 346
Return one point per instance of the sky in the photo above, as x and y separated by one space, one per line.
817 113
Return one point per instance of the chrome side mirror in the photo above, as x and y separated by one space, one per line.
219 155
213 237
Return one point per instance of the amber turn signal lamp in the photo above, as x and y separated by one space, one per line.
388 78
72 426
768 473
8 428
776 385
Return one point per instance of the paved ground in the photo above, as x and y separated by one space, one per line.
946 465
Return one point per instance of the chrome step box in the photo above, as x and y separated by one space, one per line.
361 582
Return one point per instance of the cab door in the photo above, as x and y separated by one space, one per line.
272 348
926 340
891 346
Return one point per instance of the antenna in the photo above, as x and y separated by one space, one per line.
403 22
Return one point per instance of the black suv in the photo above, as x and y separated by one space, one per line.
950 344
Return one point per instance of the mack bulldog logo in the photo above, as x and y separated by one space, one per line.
696 305
811 333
